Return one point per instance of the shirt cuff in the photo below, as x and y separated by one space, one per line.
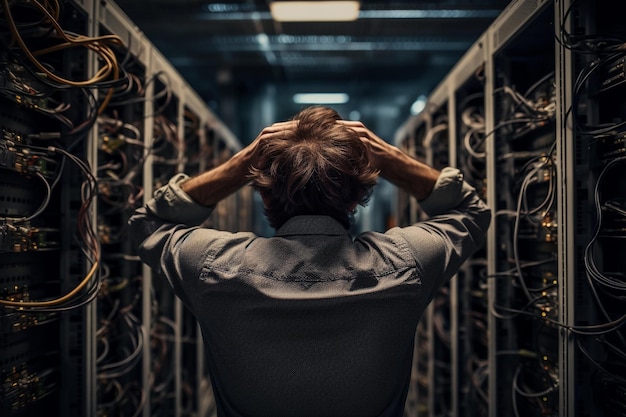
449 192
172 204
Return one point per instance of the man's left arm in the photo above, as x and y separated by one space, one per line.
186 202
212 186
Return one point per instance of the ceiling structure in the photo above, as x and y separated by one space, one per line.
239 59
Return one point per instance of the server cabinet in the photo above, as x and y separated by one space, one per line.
524 250
122 143
49 254
93 120
536 123
592 48
451 343
469 307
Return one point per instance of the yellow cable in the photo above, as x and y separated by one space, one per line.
56 301
91 43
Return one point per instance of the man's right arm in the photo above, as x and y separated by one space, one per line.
395 166
458 218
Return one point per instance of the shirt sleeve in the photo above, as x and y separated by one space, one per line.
163 225
174 205
171 240
455 229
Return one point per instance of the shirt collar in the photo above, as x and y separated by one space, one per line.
311 225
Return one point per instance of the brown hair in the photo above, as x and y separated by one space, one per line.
321 167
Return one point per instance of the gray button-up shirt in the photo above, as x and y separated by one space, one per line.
311 321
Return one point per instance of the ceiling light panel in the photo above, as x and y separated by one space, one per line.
314 11
321 98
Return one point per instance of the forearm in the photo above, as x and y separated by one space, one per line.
214 185
397 167
406 172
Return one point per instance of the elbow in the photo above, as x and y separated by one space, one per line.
140 226
485 218
482 221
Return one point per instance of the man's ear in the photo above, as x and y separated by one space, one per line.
352 206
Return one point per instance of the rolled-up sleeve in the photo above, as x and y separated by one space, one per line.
172 204
167 218
455 229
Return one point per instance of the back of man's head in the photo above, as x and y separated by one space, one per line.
320 167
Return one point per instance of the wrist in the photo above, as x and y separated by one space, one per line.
408 173
212 186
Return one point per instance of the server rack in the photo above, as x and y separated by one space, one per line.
469 331
48 255
87 330
432 339
593 39
536 122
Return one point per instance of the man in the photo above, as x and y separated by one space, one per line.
310 322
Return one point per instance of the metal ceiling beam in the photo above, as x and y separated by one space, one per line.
363 14
318 43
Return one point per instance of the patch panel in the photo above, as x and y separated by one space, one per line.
23 237
22 386
17 321
609 146
611 73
